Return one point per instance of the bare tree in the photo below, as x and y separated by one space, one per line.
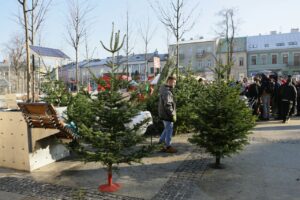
228 27
127 47
76 28
16 51
25 9
147 33
35 20
177 19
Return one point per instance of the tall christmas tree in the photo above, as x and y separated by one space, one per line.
102 122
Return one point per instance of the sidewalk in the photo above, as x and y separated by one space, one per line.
268 168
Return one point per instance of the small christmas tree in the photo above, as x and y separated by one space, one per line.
55 92
105 135
222 120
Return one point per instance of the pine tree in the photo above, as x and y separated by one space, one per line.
55 92
186 90
102 123
222 120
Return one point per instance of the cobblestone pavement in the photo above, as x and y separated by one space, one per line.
45 191
179 185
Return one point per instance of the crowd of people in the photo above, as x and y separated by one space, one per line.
271 96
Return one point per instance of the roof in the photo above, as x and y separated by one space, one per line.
49 52
121 59
274 41
195 41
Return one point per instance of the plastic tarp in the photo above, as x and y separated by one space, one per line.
155 80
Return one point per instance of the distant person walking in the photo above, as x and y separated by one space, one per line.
288 99
167 113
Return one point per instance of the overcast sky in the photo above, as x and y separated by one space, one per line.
255 16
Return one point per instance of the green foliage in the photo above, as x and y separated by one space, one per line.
102 124
186 90
104 136
80 110
222 120
55 92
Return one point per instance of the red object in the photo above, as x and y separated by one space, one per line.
110 186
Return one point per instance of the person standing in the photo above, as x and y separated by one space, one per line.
288 97
267 89
167 113
253 95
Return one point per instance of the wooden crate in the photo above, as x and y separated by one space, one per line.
27 149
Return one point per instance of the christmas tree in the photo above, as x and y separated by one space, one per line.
222 120
55 92
103 125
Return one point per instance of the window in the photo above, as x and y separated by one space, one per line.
209 63
292 43
263 59
252 46
281 44
266 45
200 64
285 58
274 59
297 59
241 61
152 70
253 60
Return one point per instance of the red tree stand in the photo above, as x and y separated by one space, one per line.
110 186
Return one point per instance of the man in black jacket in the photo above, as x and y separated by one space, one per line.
167 113
288 99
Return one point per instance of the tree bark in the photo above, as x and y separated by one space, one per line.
218 160
27 49
77 81
109 175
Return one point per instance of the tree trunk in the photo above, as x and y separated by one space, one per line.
109 175
77 81
218 160
27 50
33 79
177 58
33 63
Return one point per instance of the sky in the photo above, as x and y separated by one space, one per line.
254 16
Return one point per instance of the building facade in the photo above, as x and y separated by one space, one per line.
98 67
198 55
275 52
239 56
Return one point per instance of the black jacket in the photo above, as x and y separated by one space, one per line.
167 105
254 91
288 92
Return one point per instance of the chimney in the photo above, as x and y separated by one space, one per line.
294 30
273 32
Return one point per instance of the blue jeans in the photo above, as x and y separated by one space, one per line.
166 135
266 106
